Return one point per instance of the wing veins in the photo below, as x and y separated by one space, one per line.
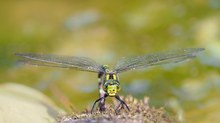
172 56
80 63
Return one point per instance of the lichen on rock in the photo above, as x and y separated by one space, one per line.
140 112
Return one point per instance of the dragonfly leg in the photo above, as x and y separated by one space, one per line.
100 99
102 105
117 110
121 103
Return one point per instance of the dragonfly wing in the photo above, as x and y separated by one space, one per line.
144 61
72 62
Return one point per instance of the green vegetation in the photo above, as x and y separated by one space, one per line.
106 31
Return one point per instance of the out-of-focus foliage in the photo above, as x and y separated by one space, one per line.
108 30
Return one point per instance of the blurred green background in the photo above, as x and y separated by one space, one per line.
108 30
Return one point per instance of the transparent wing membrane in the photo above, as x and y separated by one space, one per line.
125 64
144 61
71 62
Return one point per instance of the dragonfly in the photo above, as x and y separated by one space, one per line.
109 84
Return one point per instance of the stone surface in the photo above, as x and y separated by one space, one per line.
22 104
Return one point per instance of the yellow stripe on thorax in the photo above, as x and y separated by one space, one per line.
107 77
114 76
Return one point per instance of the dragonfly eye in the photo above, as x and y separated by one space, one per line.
118 88
105 88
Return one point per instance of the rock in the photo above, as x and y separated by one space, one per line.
22 104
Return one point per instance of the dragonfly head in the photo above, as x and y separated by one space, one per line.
111 87
112 90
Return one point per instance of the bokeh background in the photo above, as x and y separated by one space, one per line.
108 30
